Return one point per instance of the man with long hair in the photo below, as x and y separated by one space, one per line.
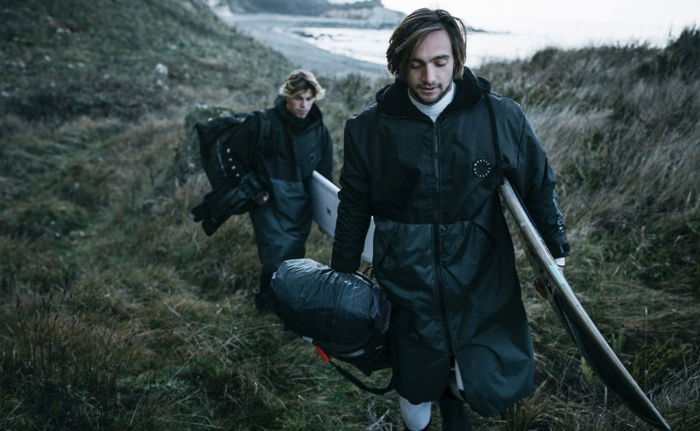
426 161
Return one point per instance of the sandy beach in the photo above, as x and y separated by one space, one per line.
276 32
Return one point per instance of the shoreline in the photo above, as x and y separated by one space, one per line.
277 32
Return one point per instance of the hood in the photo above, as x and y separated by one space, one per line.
393 99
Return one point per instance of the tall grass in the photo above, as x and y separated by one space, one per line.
119 313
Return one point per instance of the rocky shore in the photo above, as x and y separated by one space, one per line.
281 33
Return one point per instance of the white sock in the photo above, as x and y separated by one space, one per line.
415 416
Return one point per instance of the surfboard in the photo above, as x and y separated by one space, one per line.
552 284
324 203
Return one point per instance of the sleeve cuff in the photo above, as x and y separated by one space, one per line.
341 264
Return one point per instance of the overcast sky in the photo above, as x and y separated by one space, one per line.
618 19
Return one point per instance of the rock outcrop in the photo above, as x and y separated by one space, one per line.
371 13
373 16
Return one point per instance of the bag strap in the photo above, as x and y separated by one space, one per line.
494 137
354 380
263 145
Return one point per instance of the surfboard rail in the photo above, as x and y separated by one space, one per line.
577 322
324 205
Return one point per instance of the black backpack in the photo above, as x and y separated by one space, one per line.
346 316
230 149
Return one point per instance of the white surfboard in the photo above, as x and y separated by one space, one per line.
324 201
552 284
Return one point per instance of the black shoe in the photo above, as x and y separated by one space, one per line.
263 301
454 415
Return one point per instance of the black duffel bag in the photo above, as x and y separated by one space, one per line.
346 315
230 147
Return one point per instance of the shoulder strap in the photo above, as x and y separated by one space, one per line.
324 138
494 137
264 143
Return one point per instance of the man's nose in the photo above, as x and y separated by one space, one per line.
428 74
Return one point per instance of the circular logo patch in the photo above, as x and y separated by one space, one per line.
482 168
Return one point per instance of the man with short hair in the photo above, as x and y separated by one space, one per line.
426 161
300 144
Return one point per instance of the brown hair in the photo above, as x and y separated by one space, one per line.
301 80
414 28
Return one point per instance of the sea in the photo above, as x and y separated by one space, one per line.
487 45
505 31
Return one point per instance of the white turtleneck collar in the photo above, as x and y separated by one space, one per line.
434 111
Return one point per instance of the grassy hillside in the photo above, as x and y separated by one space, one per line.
63 59
118 313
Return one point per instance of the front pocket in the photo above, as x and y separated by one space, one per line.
384 233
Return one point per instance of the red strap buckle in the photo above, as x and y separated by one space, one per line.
323 354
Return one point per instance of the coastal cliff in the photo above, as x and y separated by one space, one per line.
373 15
371 12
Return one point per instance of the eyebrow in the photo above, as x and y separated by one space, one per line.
438 57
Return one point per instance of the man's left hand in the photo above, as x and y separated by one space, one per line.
262 200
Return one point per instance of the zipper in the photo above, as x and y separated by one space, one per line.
437 243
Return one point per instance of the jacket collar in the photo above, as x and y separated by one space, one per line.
393 99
